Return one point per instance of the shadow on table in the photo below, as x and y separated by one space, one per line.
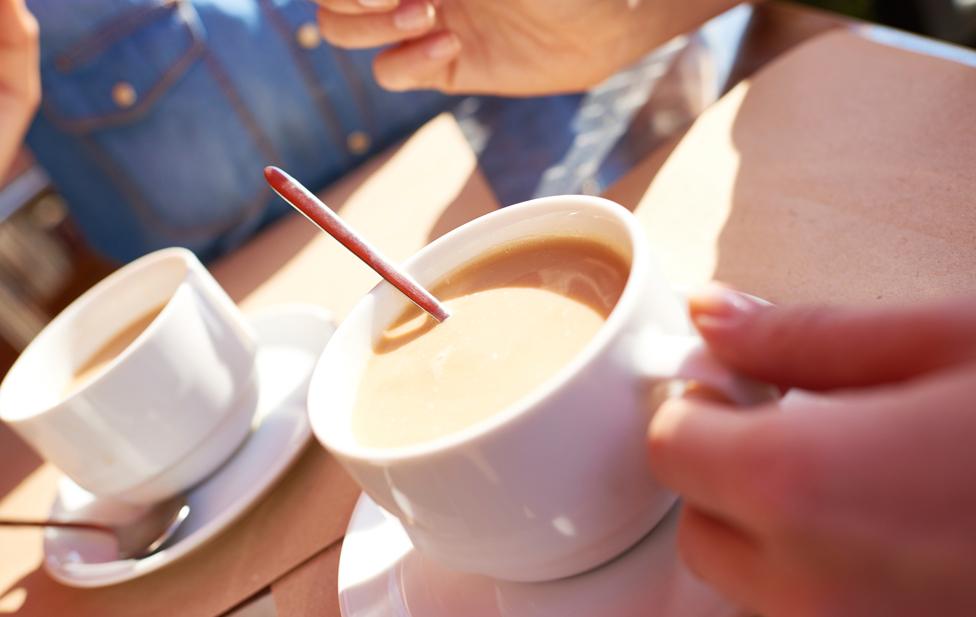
854 178
632 187
32 595
840 175
265 256
268 252
37 594
17 460
286 248
473 200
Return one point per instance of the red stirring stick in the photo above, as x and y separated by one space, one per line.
328 221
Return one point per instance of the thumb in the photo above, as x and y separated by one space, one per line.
17 25
820 347
426 63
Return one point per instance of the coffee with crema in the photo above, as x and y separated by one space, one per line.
518 315
110 350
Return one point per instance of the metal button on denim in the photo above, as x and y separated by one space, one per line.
358 142
124 95
187 55
308 36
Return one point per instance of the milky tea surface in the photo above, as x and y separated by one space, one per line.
110 350
518 315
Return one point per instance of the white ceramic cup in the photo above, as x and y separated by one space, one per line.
165 412
559 482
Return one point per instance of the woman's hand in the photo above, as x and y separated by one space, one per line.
520 47
20 81
860 501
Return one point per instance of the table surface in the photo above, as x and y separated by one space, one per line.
488 152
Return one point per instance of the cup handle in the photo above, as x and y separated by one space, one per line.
684 357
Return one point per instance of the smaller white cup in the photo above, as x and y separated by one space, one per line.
557 483
164 413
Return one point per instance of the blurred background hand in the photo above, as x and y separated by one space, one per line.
514 47
857 502
20 81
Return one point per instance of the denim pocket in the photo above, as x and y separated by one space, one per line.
363 117
159 120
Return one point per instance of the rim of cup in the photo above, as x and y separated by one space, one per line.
21 409
346 445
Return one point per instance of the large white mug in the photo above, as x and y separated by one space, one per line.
558 482
165 412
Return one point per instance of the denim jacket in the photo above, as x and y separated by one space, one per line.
158 115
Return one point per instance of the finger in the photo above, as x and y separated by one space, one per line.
869 449
825 462
11 7
426 63
357 7
721 555
718 459
17 24
823 347
411 19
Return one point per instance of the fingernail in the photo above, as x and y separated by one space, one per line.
443 47
414 17
378 4
667 418
718 306
699 391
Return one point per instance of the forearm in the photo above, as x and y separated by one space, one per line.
14 119
655 22
20 81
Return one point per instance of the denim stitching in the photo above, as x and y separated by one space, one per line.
243 113
147 213
107 35
311 80
166 80
126 187
350 76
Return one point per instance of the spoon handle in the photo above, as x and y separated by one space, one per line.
303 200
59 524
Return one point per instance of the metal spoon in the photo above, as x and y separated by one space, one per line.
144 530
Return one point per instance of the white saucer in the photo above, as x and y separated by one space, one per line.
381 575
290 339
